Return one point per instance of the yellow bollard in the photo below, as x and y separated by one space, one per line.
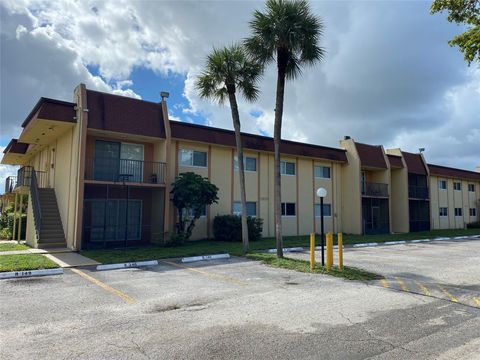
312 251
329 250
340 251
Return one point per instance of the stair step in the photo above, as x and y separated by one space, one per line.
51 245
51 240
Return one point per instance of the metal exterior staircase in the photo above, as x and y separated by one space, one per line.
51 231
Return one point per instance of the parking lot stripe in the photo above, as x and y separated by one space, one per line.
206 273
477 301
402 284
104 286
423 288
452 298
385 283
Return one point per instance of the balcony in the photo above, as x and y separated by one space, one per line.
24 177
418 192
374 189
10 184
124 170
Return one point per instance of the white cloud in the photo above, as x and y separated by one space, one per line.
389 75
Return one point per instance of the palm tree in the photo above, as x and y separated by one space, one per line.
228 70
289 33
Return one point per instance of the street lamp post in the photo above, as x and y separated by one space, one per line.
321 193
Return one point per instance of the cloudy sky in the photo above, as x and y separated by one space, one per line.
389 76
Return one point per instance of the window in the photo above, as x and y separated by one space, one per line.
287 168
458 211
288 209
251 208
189 212
443 211
457 186
473 212
115 161
442 184
327 210
322 172
250 163
471 187
192 158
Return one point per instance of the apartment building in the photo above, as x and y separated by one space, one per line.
98 172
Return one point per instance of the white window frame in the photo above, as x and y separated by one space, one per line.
473 212
192 165
455 183
471 188
283 171
189 212
460 211
319 215
440 211
322 167
284 205
441 182
239 213
235 163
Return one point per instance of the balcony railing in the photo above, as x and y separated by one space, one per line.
24 177
125 170
10 184
374 189
417 192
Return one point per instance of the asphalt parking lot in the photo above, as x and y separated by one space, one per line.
242 309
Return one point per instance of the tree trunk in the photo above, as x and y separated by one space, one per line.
241 169
277 138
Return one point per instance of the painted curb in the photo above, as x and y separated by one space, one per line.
205 257
292 249
365 245
395 242
127 265
441 238
30 273
419 241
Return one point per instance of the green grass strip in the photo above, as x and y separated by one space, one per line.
13 247
25 262
349 273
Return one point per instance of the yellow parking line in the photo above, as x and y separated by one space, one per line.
423 288
402 284
452 298
106 287
385 283
477 301
208 274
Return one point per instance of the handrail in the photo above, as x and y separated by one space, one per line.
374 189
37 211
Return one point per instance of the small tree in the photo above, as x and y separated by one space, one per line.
191 194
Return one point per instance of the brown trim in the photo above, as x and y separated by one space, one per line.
445 171
51 109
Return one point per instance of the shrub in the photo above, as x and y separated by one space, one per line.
229 228
474 225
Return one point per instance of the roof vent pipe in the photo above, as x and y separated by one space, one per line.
346 137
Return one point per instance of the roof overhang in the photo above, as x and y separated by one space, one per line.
14 153
48 120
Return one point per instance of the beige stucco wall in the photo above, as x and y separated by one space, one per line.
351 190
399 200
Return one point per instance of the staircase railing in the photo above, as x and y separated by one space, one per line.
37 211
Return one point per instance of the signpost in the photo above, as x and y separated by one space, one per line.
321 193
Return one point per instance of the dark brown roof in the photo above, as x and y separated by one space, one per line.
52 109
371 155
395 160
414 163
16 147
123 114
225 137
438 170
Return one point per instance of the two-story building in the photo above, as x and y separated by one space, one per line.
98 173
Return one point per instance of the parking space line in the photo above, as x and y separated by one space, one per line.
402 284
208 274
452 298
104 286
477 301
423 288
385 283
